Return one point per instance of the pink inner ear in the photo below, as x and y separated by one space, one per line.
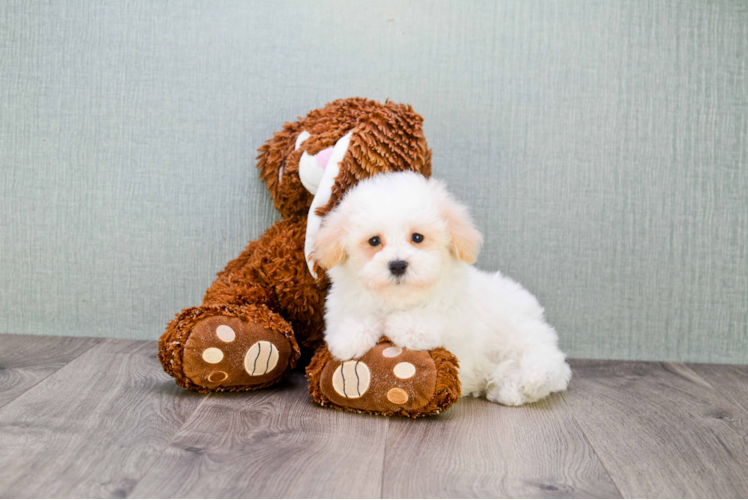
323 157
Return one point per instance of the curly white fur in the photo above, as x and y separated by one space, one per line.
494 326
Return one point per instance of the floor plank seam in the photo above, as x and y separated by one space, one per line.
671 367
594 450
728 398
718 390
187 420
93 344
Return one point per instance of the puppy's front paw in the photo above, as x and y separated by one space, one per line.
417 341
350 349
413 332
352 339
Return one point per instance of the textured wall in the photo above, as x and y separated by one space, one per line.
602 145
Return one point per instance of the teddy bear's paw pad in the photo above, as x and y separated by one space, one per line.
351 379
261 358
229 353
397 396
387 379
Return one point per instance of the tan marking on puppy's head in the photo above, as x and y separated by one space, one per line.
328 249
367 250
466 240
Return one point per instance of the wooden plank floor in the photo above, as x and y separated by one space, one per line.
99 418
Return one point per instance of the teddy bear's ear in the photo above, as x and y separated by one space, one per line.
387 138
274 153
328 249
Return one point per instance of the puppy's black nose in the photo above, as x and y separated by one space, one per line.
398 267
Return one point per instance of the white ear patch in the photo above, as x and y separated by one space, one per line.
322 193
310 172
303 136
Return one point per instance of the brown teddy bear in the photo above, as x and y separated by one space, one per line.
266 308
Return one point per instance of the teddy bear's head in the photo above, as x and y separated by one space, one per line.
312 162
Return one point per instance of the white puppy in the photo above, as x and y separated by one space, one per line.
399 249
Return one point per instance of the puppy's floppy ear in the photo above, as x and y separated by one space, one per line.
328 250
466 240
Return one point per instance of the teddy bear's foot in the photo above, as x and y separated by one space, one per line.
228 348
387 380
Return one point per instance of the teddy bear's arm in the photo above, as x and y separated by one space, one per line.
269 268
271 271
239 283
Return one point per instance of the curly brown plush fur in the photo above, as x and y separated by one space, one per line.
268 283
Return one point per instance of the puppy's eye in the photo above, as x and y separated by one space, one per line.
374 241
417 237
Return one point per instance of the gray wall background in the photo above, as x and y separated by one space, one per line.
602 145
